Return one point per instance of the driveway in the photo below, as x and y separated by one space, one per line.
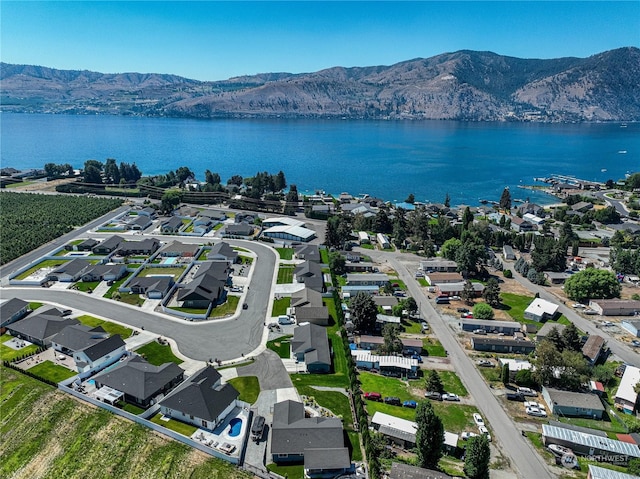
269 369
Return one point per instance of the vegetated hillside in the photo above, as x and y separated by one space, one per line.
31 220
465 85
46 433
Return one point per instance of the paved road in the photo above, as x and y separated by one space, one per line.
621 350
222 339
520 452
618 205
270 371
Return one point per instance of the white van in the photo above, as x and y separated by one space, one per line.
285 320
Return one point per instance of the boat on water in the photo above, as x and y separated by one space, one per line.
603 170
622 152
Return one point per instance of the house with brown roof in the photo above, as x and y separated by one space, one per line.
593 348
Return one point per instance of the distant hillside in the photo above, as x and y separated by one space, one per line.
465 85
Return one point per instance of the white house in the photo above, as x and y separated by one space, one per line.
632 326
626 398
363 237
541 310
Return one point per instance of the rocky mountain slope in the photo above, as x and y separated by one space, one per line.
465 85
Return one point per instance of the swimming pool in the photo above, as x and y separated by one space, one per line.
170 261
235 426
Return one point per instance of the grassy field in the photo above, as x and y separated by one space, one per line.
229 307
109 327
280 306
285 253
282 346
515 304
49 434
433 348
175 425
248 387
158 354
52 372
450 381
285 274
295 471
10 354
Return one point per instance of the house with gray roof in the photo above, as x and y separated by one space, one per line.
177 249
502 345
171 225
92 349
104 272
311 346
153 287
147 247
602 449
139 381
86 245
507 327
367 279
239 229
108 246
546 329
207 286
438 264
222 251
593 348
306 270
12 310
40 327
308 252
318 442
307 306
573 404
69 271
139 223
202 400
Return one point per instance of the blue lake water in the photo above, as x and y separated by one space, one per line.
470 161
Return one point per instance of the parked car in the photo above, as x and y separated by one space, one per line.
485 363
450 397
284 319
392 400
245 306
412 404
467 316
635 343
372 396
527 392
417 357
257 428
455 298
483 430
578 305
533 404
424 326
477 418
436 396
534 411
481 332
462 310
467 435
590 312
515 397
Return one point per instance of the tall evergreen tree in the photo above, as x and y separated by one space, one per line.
429 436
505 199
491 293
477 457
364 312
571 338
434 383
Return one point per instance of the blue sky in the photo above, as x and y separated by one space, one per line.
218 40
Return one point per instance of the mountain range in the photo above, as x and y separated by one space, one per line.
464 85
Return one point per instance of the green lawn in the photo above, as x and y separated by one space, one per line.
285 253
285 274
385 386
188 310
116 284
450 381
605 425
108 326
423 282
133 299
491 374
280 306
175 271
412 327
52 372
433 348
515 304
399 282
86 286
228 307
33 306
130 408
175 425
248 387
203 254
158 354
10 354
282 346
295 471
324 256
367 246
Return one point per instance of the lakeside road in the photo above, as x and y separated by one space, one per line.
523 457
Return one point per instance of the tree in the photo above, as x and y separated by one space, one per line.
467 218
111 172
571 338
468 293
429 436
92 175
505 199
555 338
505 374
364 312
170 201
524 377
491 293
603 374
483 311
450 248
280 182
447 200
411 199
410 305
434 383
235 180
592 284
547 360
391 335
634 467
477 457
211 178
337 263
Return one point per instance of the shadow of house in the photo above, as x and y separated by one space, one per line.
139 381
318 442
201 400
